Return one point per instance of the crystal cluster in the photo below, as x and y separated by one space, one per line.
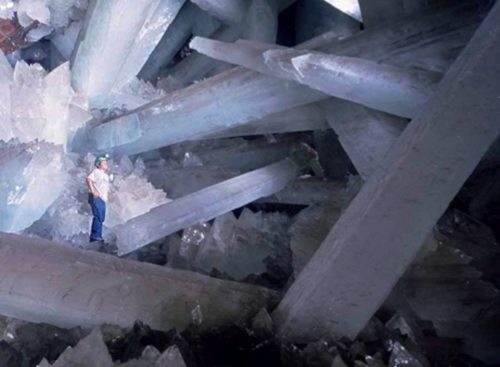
37 105
238 247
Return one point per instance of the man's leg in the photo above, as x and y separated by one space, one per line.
98 212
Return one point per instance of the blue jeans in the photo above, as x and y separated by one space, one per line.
99 212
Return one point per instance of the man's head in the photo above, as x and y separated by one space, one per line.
101 161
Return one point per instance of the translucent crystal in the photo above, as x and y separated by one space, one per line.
248 96
172 357
27 184
130 196
212 201
42 106
133 36
31 10
133 94
400 357
89 352
237 247
7 9
391 89
399 91
39 272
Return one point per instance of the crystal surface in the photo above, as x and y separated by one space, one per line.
248 95
89 352
134 34
211 201
41 106
395 90
27 185
64 281
237 247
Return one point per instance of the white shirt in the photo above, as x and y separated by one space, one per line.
101 180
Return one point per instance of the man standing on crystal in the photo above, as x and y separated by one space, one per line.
98 183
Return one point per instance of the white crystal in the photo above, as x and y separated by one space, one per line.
31 178
89 352
133 94
40 106
116 42
350 7
210 202
7 9
237 247
132 196
172 357
31 10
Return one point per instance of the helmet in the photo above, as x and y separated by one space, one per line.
101 158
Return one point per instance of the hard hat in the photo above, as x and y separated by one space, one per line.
101 158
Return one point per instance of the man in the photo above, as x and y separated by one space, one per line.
98 183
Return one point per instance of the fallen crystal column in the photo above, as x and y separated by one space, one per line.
402 92
208 203
362 257
115 43
238 96
48 282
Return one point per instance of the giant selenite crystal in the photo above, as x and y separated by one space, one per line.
31 178
395 90
47 282
362 257
210 202
116 42
238 96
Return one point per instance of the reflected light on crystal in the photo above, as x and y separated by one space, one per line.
349 7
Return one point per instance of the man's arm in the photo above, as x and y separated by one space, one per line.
92 189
